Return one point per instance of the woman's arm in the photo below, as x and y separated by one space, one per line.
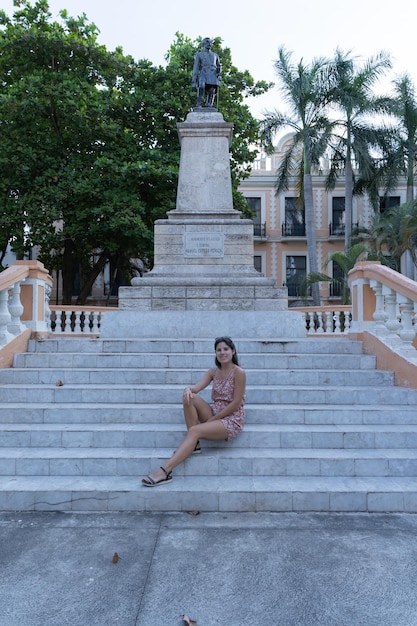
239 392
202 384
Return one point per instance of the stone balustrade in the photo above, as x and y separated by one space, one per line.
384 304
24 296
326 320
25 312
75 319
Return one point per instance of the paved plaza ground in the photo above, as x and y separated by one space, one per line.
233 569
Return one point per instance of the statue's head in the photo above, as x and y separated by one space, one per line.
207 43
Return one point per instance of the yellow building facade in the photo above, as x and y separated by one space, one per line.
279 226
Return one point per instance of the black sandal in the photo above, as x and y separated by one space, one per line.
197 448
150 482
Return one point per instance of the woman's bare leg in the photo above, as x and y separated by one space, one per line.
195 411
213 431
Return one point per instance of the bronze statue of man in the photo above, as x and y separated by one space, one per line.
206 74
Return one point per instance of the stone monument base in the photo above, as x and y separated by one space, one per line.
192 294
203 283
257 325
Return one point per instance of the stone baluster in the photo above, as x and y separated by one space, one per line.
347 322
408 330
379 315
15 326
392 322
5 318
77 322
48 290
66 317
94 317
327 322
59 321
336 319
320 322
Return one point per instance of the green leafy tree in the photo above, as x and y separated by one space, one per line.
357 137
89 149
306 89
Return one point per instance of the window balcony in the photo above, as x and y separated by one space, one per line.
293 230
335 290
338 229
259 231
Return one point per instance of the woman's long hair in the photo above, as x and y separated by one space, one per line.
231 345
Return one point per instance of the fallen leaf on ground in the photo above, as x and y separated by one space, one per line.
59 383
188 621
115 558
193 512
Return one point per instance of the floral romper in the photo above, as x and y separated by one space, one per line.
222 394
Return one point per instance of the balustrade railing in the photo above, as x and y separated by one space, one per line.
24 306
74 319
24 294
384 303
326 320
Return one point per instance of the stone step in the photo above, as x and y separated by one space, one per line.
211 462
169 393
309 345
148 435
189 361
99 376
210 493
324 432
70 413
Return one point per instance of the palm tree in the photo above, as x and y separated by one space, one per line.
392 234
346 262
404 158
404 108
306 89
356 135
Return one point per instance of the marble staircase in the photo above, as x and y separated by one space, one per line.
82 420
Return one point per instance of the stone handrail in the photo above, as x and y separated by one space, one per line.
384 304
24 294
326 320
25 312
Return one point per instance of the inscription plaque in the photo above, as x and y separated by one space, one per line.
200 245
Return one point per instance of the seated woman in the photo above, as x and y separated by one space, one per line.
222 419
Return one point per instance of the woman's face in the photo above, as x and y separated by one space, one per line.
224 353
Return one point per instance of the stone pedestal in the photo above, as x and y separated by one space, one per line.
204 252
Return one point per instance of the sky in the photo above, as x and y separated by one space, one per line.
254 30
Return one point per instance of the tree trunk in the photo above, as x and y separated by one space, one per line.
68 270
408 267
311 235
89 282
348 202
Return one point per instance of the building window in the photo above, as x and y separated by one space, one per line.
336 288
296 270
257 261
294 225
337 225
388 202
255 205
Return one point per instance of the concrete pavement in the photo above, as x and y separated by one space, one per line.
231 569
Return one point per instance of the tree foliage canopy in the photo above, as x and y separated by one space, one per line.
89 150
